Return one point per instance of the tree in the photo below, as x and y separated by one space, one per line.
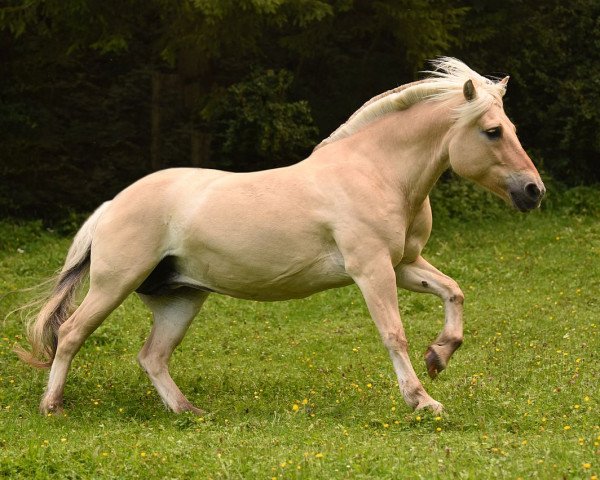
183 43
254 119
97 93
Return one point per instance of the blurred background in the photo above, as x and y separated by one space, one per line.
94 94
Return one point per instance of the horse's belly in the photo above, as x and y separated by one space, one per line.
261 276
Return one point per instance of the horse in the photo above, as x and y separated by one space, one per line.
355 211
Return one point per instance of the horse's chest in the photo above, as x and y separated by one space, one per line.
397 248
392 231
403 241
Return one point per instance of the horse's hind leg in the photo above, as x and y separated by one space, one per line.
420 276
173 314
96 306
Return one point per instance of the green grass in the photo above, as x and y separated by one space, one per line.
521 395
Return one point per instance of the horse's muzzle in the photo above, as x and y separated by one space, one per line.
526 195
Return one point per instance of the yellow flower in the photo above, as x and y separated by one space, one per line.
143 454
438 429
318 455
566 427
305 401
295 408
587 466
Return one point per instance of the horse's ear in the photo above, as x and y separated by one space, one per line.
469 90
504 84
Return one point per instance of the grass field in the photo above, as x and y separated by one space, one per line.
304 389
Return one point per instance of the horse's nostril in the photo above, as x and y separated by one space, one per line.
532 191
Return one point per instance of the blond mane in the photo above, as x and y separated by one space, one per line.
444 84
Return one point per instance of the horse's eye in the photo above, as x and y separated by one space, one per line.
493 133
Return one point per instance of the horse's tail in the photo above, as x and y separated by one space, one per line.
42 332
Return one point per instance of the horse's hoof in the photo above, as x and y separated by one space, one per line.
188 407
51 409
196 411
433 362
432 405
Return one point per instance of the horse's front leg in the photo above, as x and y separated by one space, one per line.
420 276
377 282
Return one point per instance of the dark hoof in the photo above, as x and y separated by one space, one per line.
433 362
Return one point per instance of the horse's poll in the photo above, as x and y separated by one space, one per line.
357 210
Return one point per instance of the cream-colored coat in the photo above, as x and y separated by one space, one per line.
356 210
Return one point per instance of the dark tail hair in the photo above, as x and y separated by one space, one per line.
42 332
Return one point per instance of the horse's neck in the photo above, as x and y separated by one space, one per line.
409 147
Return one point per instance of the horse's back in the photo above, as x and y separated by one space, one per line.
253 235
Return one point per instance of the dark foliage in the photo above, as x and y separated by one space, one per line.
94 95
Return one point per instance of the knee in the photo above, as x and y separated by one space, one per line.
454 294
151 364
68 340
144 361
145 364
395 341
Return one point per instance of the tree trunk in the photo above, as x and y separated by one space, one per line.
155 157
200 151
195 76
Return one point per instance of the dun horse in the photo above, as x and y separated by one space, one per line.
356 210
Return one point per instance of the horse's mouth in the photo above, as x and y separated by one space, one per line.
528 197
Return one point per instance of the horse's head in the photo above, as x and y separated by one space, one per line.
484 147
